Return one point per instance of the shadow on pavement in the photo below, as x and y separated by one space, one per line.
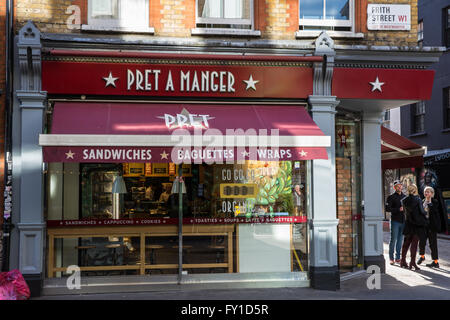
432 286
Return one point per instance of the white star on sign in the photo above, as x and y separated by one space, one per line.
376 85
70 154
245 154
164 155
251 83
303 153
110 80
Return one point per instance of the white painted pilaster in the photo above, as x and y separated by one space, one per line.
372 190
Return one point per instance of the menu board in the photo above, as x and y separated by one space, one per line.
187 170
154 170
133 169
238 190
160 169
148 169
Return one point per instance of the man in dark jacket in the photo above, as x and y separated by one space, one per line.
394 206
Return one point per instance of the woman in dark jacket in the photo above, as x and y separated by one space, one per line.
432 210
415 224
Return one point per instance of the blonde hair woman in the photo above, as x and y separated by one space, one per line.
431 207
415 222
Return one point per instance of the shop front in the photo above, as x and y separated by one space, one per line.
255 167
179 169
116 204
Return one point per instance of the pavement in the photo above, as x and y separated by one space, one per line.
396 284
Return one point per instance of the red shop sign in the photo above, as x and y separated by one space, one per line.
177 78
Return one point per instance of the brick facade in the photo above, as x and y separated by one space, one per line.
348 194
344 212
172 17
276 19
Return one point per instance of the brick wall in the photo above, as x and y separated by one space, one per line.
48 15
344 212
348 184
276 19
172 17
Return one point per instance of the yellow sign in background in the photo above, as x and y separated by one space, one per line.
238 190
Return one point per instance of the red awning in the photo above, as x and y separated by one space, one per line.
393 84
399 152
138 132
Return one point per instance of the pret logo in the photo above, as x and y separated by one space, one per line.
186 119
166 80
185 81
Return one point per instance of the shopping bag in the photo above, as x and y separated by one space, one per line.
13 286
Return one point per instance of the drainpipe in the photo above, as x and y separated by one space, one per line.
9 37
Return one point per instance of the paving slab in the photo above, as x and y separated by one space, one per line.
396 284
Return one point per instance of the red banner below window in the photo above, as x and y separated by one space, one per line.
178 155
168 221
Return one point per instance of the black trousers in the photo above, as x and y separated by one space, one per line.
432 240
410 240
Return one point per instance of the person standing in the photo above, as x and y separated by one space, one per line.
432 210
298 201
415 226
394 206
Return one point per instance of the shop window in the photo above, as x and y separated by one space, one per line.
418 117
122 218
126 15
446 98
420 32
326 15
225 14
446 26
387 119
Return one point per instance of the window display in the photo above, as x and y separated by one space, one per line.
247 217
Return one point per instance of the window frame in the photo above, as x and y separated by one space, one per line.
330 22
226 21
387 119
420 31
446 26
446 107
418 115
119 23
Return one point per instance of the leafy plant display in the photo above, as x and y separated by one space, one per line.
271 188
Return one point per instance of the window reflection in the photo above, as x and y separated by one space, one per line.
229 9
337 10
322 9
236 218
311 9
